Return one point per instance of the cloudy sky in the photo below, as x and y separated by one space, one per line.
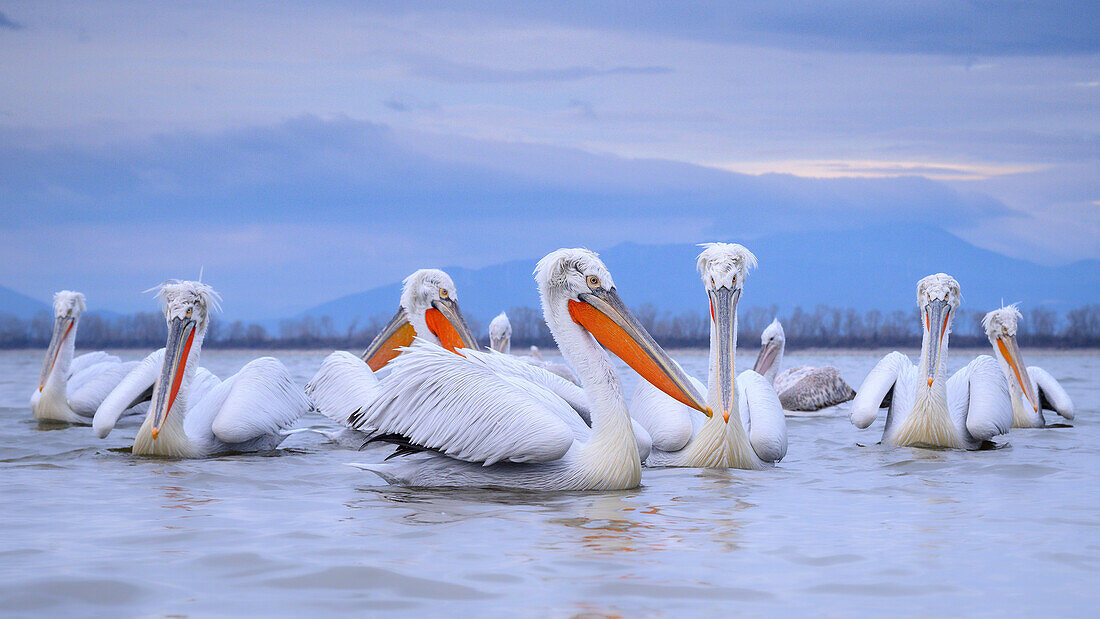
299 152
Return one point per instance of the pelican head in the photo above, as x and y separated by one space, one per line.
187 306
772 343
577 289
429 307
723 267
500 334
938 296
1000 326
67 308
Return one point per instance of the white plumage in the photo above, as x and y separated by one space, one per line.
344 383
756 431
70 389
489 421
1031 388
500 334
803 388
924 407
193 413
500 340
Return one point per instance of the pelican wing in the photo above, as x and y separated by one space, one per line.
1051 395
262 399
342 386
462 408
762 414
978 398
669 423
87 360
539 374
810 389
133 388
877 390
95 384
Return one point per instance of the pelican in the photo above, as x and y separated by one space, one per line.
472 426
345 384
1031 388
500 334
925 407
428 309
500 340
746 438
248 411
802 388
71 389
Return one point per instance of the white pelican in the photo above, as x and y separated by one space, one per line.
248 411
477 427
71 389
1032 388
500 334
925 407
801 388
345 384
751 429
500 340
428 309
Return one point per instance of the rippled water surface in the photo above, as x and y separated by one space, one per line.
841 526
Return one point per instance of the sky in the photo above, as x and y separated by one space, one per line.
295 152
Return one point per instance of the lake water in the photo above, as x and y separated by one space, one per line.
842 526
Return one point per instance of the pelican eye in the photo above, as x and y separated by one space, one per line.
443 294
189 312
593 282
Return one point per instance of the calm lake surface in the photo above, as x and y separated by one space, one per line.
842 526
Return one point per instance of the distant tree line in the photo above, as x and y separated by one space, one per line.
824 327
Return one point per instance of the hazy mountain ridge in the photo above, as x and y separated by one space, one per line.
874 268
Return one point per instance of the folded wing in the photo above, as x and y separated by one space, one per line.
877 390
460 407
136 386
263 399
1051 394
980 390
342 386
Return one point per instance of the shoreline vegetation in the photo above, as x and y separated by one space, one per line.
822 328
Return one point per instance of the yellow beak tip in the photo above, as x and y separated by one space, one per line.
726 417
156 432
930 380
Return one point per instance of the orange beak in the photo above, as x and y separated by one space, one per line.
181 336
445 321
604 315
397 334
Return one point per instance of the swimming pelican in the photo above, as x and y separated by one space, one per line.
746 437
428 309
500 340
475 427
801 388
1031 388
71 389
925 407
500 334
344 384
248 411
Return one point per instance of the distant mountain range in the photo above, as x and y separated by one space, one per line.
875 268
18 304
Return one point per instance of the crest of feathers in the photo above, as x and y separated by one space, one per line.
1006 318
176 295
721 261
65 300
939 286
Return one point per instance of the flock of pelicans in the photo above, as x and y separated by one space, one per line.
461 416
